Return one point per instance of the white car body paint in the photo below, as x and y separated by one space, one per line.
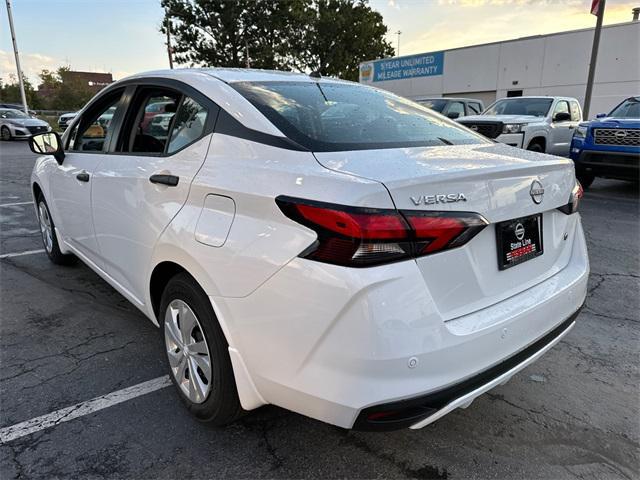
320 339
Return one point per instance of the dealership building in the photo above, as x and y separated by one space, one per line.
553 64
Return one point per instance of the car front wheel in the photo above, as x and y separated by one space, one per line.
5 134
197 352
49 238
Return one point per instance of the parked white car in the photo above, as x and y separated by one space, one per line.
540 124
316 244
15 124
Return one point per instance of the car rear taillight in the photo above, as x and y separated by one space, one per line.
574 201
362 237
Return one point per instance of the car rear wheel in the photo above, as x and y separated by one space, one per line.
197 352
49 239
5 134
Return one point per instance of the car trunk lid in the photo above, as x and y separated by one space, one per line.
495 181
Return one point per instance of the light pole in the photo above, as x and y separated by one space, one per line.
15 52
398 49
169 52
594 58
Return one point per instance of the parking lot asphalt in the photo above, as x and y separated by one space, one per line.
68 337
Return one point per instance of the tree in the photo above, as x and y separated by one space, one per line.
329 36
61 91
343 34
10 92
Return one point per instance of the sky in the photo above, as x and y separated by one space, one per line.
121 36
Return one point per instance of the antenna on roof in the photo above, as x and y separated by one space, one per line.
315 74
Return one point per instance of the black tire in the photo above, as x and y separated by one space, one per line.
535 147
221 405
585 179
51 246
5 134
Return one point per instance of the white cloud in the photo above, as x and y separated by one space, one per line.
32 64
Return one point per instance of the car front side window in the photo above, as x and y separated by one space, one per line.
561 107
92 131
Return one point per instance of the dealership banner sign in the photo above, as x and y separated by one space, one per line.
421 65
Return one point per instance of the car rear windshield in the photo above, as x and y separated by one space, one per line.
628 109
538 107
326 116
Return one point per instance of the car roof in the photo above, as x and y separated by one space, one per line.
233 75
455 99
550 97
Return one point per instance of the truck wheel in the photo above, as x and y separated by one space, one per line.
535 147
585 179
197 352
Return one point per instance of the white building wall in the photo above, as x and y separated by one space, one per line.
555 64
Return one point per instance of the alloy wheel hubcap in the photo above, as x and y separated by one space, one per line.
187 351
45 226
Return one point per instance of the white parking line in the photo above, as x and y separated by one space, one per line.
20 254
15 204
28 427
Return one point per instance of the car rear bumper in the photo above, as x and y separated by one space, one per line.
334 343
623 165
421 411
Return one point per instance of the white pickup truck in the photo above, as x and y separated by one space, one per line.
541 124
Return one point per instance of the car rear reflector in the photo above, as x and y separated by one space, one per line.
361 237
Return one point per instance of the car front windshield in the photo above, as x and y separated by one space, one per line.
628 109
537 107
10 113
434 104
328 116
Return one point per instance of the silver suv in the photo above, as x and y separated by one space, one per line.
540 124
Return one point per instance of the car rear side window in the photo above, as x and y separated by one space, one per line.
575 111
189 124
327 116
162 121
149 121
474 108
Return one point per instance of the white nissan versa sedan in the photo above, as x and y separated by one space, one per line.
316 244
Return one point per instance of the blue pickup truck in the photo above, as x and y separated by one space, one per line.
609 146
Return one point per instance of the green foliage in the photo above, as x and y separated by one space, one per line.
60 91
10 93
329 36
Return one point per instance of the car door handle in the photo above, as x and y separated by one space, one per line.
169 180
83 176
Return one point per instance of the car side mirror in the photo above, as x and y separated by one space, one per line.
47 144
453 115
601 115
562 117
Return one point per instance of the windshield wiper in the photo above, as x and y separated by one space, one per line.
445 141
